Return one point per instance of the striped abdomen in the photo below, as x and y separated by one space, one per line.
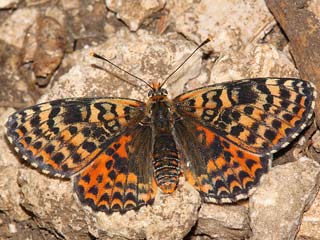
165 154
166 162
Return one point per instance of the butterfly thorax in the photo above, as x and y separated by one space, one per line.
165 154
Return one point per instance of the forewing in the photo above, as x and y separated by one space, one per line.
259 115
63 136
121 177
228 131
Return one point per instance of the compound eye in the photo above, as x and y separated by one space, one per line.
164 91
150 93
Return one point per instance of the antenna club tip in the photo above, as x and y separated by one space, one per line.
91 54
210 38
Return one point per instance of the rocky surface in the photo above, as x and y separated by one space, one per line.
277 206
246 43
229 221
310 224
133 13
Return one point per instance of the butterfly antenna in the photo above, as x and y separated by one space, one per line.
194 51
116 66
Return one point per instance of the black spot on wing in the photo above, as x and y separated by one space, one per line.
72 114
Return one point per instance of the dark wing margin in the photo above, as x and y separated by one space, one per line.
229 131
62 137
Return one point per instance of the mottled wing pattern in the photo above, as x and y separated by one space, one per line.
232 128
121 178
62 137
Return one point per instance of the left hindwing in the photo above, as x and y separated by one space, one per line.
228 131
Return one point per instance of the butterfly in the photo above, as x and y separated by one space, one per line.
122 152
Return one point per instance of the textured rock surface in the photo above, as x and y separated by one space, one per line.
240 25
224 222
6 4
284 194
147 56
133 13
310 225
35 206
16 25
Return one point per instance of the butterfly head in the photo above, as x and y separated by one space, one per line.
157 90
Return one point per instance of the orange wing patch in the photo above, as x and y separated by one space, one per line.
109 184
218 168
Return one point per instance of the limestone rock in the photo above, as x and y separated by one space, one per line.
310 224
224 221
10 194
18 22
277 206
149 57
133 13
240 23
7 4
257 61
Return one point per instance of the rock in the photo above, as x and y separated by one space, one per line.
133 13
151 58
241 23
10 194
49 53
316 141
9 189
237 43
47 39
16 26
224 221
8 4
16 89
314 7
310 224
171 217
7 157
259 61
52 204
276 207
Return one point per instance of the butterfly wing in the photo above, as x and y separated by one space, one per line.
227 131
63 137
121 178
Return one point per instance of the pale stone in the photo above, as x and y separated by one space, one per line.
264 60
310 224
149 57
133 13
223 221
233 25
8 3
314 7
276 207
14 28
